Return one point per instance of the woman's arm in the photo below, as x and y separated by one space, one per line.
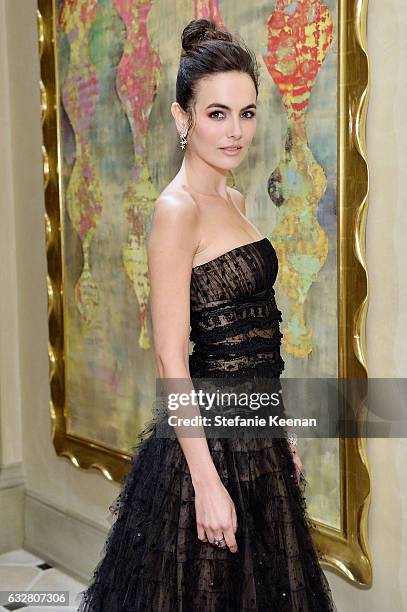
173 242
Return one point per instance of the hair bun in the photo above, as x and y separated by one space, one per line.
200 30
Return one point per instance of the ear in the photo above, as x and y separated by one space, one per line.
179 115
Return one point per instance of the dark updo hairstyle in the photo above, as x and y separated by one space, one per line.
207 50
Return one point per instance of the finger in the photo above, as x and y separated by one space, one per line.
219 536
234 520
201 533
215 534
230 540
223 544
209 534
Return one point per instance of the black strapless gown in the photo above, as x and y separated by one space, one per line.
152 559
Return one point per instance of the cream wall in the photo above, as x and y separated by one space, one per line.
63 512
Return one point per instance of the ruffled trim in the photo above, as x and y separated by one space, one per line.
203 367
235 316
153 560
240 332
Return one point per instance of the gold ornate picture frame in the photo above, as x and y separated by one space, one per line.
74 277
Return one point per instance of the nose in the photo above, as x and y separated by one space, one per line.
235 128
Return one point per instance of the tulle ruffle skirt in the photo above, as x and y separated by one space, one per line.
153 560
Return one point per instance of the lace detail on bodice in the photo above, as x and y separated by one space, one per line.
234 315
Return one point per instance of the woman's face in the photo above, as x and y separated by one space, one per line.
225 116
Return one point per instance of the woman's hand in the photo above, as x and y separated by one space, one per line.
296 459
215 514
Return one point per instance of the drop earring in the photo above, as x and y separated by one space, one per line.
183 137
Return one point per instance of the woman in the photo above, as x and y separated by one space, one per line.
211 523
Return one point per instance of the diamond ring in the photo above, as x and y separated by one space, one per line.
218 541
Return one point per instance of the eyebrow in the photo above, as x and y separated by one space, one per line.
227 107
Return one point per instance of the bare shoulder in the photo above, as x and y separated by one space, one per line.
172 202
173 208
238 199
174 226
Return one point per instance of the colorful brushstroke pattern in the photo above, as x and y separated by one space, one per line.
299 37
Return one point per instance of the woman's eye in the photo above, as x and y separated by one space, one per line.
252 114
215 113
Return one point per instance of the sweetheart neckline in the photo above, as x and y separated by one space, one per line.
240 246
